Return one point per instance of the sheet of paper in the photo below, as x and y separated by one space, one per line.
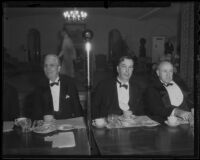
8 126
64 139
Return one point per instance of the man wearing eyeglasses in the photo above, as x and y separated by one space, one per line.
118 95
57 94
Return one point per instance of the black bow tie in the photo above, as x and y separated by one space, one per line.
54 83
167 84
122 85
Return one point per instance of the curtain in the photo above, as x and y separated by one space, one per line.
187 43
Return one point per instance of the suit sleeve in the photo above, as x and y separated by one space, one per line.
189 96
76 102
34 105
97 100
154 104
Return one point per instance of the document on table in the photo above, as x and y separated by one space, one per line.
8 126
62 140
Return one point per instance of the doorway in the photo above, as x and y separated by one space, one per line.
33 41
158 48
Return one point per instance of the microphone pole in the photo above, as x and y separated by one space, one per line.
88 35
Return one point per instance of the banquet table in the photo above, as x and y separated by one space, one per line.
17 143
157 140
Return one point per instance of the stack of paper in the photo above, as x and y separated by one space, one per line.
64 139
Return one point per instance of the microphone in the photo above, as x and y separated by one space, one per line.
87 35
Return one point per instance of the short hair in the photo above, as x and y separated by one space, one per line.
163 61
54 55
123 58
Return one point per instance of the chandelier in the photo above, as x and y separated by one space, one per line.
74 16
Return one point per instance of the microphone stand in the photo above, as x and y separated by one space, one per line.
88 97
87 35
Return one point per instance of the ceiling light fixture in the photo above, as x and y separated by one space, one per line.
75 16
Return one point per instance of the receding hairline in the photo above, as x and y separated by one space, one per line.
123 58
52 55
162 63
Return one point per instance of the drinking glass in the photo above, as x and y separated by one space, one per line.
24 124
27 125
113 120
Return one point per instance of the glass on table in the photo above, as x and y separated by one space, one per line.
48 118
113 121
127 114
99 122
24 123
112 118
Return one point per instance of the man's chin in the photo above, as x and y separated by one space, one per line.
51 77
126 78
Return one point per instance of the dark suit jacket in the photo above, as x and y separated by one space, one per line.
43 102
11 109
105 99
157 102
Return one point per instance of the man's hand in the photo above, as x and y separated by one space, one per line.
185 115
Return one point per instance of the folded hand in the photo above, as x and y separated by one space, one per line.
185 115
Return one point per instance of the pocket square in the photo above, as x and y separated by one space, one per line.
67 96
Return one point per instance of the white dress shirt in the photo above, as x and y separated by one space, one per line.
55 92
123 96
175 95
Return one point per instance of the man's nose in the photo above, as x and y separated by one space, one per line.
48 67
169 74
126 70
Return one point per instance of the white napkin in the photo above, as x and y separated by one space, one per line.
8 126
64 139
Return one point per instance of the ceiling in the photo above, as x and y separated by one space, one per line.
124 12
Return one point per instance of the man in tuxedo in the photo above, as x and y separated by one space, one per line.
56 95
119 94
167 95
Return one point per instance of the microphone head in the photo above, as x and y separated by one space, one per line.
87 35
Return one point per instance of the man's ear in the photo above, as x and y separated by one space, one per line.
59 68
117 69
157 72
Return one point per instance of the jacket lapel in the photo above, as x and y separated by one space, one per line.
63 92
133 94
114 108
48 99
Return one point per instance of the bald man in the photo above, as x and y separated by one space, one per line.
167 95
56 95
